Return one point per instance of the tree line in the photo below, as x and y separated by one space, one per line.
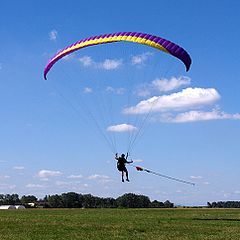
224 204
76 200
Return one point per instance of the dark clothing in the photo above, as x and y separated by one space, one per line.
121 164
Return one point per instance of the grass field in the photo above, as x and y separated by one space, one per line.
120 224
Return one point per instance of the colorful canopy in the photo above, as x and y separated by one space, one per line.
141 38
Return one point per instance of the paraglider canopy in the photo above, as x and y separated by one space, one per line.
137 37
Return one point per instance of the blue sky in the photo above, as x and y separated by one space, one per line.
45 145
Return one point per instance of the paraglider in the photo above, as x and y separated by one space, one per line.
136 37
152 41
121 165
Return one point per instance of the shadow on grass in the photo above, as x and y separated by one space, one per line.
216 219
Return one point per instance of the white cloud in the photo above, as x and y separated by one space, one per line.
206 183
72 185
143 91
18 168
86 61
64 183
121 128
110 89
53 35
165 85
141 58
31 185
186 99
4 177
7 187
107 64
110 64
75 176
87 90
115 90
120 90
196 177
48 173
100 179
162 85
193 116
97 176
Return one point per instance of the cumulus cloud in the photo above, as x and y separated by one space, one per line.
7 187
97 176
165 85
72 185
75 176
121 128
196 177
110 64
53 35
48 173
100 179
4 176
193 116
87 90
143 91
110 89
115 90
141 58
107 64
18 168
186 99
64 183
32 185
86 61
206 183
162 85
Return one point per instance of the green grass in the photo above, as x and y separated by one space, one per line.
40 224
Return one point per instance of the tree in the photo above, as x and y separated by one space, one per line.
54 201
168 204
109 203
2 199
157 204
71 200
10 199
28 199
87 201
209 205
227 204
131 200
